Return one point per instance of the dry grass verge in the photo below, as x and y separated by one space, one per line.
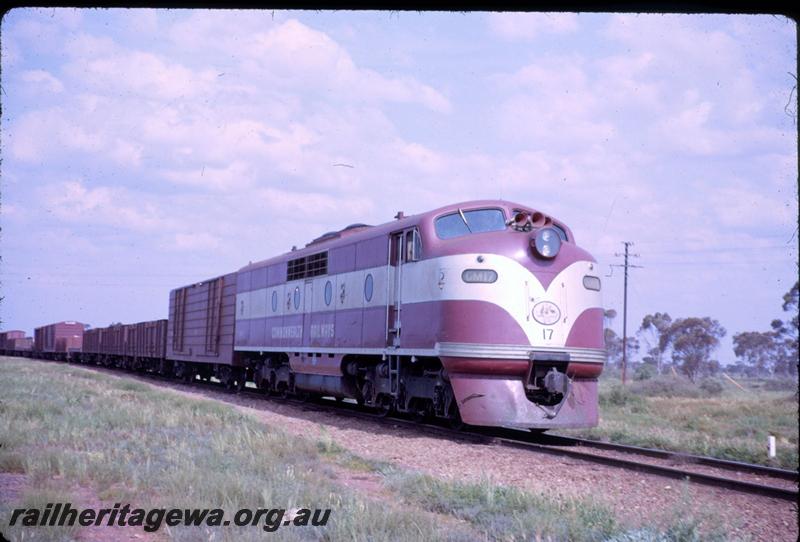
674 414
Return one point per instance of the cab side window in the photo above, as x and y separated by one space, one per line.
413 245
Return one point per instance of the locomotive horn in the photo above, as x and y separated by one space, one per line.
518 218
538 219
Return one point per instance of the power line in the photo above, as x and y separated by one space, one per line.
625 265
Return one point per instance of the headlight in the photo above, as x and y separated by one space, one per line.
546 242
591 283
479 275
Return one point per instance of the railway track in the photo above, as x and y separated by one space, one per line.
702 470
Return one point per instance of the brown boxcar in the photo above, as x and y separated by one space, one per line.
62 337
201 321
140 340
21 344
91 340
147 339
112 340
7 338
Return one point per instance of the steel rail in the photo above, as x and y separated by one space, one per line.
660 470
518 439
727 464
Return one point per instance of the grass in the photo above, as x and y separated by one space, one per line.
509 514
129 442
726 422
72 431
506 513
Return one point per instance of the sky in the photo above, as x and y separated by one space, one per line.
148 149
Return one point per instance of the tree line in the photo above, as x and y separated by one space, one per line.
687 345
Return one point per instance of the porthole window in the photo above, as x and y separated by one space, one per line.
296 297
275 301
368 287
328 292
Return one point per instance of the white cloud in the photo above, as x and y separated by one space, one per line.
297 205
741 207
192 242
236 176
72 201
42 79
420 158
57 133
687 130
84 46
528 26
126 153
40 133
293 55
553 105
143 74
142 21
686 59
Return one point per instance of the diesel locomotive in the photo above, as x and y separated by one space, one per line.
483 312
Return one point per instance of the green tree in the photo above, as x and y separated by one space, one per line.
692 340
756 349
653 332
614 347
786 335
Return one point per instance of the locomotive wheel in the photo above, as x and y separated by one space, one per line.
454 420
282 391
424 414
234 383
230 384
367 394
385 406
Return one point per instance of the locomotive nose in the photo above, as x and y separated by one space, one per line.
546 243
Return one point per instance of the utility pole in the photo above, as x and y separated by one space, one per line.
626 265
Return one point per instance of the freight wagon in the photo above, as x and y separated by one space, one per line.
58 341
14 342
140 346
